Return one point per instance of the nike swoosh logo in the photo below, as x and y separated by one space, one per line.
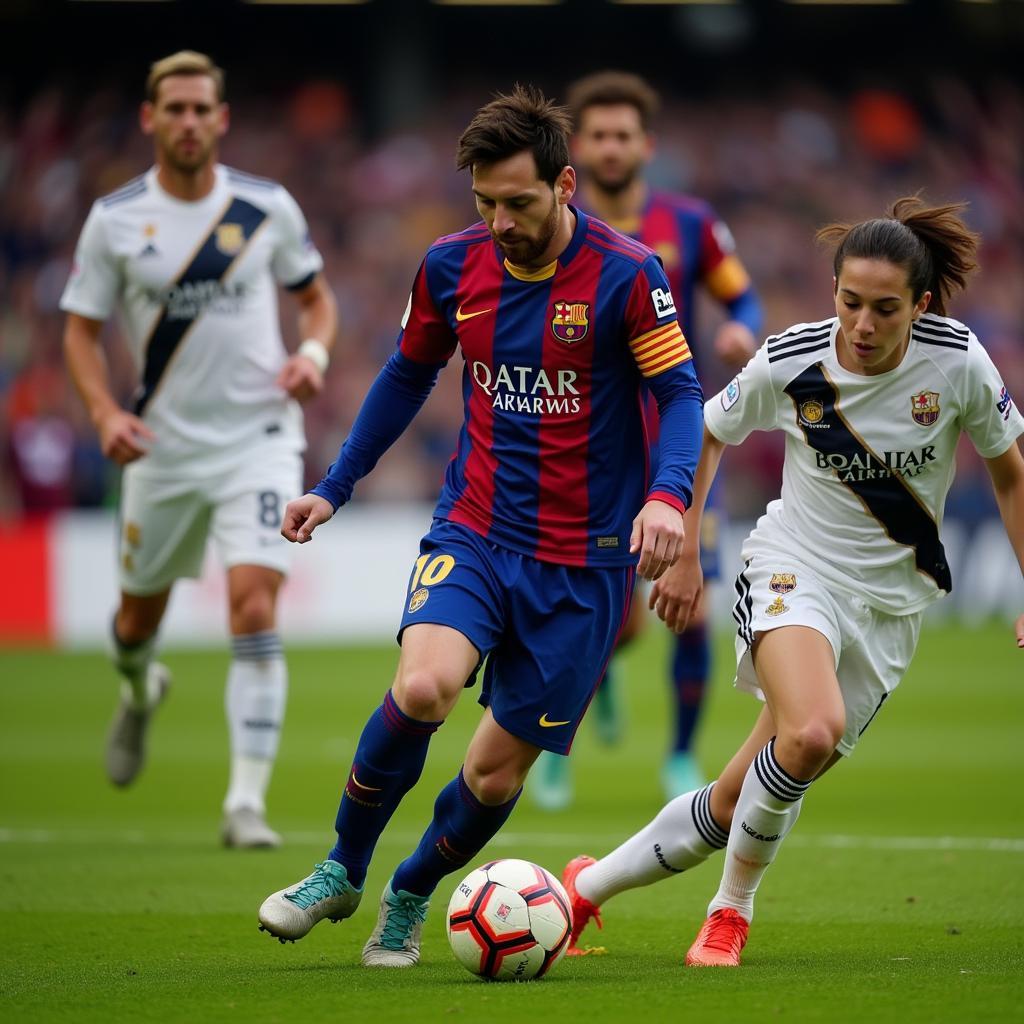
369 789
545 724
460 316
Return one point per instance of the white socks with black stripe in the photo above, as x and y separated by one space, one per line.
767 809
255 698
682 835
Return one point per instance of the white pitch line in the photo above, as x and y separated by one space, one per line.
140 837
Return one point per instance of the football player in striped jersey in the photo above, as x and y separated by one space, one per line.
191 252
546 512
613 112
838 572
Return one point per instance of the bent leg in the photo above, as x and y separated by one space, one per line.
433 668
471 809
796 668
133 641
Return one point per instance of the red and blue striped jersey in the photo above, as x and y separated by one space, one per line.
551 458
696 249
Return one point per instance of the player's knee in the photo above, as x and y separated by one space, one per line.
424 693
135 625
252 612
493 786
812 743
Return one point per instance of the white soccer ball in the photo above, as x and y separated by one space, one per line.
509 920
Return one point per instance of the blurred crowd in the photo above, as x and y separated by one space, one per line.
775 166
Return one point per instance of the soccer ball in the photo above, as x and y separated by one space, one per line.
509 920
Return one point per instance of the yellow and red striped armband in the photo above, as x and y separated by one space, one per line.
660 349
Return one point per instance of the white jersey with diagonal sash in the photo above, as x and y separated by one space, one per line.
195 283
869 459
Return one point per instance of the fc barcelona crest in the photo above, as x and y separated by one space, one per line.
571 321
229 239
924 407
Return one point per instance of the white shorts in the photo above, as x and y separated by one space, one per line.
165 520
872 649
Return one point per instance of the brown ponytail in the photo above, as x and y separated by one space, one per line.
931 243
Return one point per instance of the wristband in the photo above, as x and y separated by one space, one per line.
316 352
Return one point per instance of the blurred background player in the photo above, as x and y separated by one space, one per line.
190 252
613 143
545 515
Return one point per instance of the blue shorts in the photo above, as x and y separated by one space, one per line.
545 630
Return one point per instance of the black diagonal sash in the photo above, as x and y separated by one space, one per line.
227 240
886 496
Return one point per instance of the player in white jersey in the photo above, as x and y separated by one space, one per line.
191 253
838 571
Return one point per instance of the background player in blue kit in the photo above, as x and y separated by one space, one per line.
613 142
545 508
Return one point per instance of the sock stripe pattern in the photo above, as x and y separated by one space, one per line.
775 778
705 824
398 721
257 646
741 610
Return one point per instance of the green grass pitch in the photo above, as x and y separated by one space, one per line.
899 897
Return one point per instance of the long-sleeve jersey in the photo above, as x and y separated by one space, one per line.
552 455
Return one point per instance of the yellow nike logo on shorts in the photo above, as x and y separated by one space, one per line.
545 724
460 316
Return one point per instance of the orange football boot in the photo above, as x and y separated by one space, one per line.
582 909
720 940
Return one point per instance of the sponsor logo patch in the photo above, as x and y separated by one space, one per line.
731 394
664 305
777 607
571 321
924 407
782 582
1005 403
418 599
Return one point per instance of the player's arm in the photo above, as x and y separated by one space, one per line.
728 282
663 358
425 345
123 436
1007 473
675 596
302 376
747 403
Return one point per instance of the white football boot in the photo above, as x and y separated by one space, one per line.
126 741
290 913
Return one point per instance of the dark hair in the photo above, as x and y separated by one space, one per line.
931 243
611 88
509 124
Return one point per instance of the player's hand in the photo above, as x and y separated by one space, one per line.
300 378
124 437
676 596
658 536
303 515
735 344
1020 631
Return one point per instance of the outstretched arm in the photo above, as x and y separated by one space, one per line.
1007 472
394 398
